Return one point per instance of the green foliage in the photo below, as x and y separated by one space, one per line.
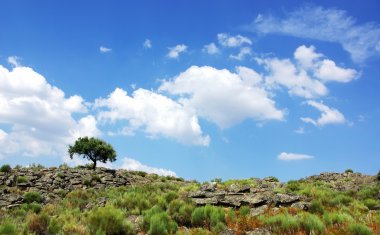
77 199
368 192
208 216
54 227
22 179
349 171
218 228
93 149
217 180
378 176
5 168
359 229
161 223
60 175
370 203
244 210
293 186
110 220
341 199
312 224
8 228
141 173
96 178
34 207
316 207
33 196
340 218
282 223
181 212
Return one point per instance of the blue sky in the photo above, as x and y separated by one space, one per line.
228 89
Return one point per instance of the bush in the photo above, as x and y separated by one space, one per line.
340 218
21 179
219 228
349 171
181 212
359 229
96 178
293 186
208 216
34 207
32 196
244 210
60 175
283 223
370 203
110 220
341 199
54 227
316 207
378 176
5 168
312 224
38 223
8 228
161 223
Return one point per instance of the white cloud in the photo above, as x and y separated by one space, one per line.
307 75
14 61
147 44
134 165
244 51
174 52
39 116
155 114
103 49
211 49
227 40
325 24
223 97
300 130
293 156
328 115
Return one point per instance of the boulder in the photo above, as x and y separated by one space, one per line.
258 210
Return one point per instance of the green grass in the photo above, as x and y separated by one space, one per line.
359 229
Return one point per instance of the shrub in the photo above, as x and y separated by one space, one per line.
34 207
378 176
370 203
349 171
54 227
181 212
341 199
218 228
32 196
87 182
141 173
161 223
208 216
21 179
244 210
340 218
316 207
359 229
293 186
5 168
367 192
198 217
217 180
170 196
110 220
283 223
78 198
60 175
38 223
8 228
312 224
96 178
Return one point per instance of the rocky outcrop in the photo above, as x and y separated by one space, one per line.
56 182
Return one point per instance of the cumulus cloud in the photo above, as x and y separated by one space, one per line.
244 51
103 49
147 44
227 40
174 52
134 165
306 75
211 49
325 24
14 61
155 114
39 115
328 115
223 97
293 156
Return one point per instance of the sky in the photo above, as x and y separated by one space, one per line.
197 89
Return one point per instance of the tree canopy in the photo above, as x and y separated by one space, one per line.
93 149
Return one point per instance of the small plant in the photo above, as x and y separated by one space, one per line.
341 199
312 224
359 229
161 224
8 228
293 186
316 207
283 223
96 178
38 224
349 171
244 210
370 203
217 180
60 175
110 220
378 176
32 196
22 179
5 168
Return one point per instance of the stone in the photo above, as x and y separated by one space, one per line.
228 232
235 188
258 231
285 199
210 187
301 205
258 210
204 201
255 199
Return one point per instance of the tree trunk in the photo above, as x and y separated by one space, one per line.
94 165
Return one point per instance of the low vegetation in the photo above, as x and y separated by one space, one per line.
162 206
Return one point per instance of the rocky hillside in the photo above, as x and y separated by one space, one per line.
83 201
